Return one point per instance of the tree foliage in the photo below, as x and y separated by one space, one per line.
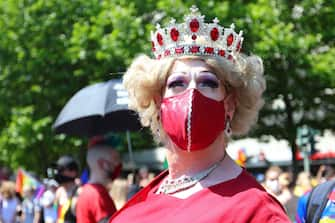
51 49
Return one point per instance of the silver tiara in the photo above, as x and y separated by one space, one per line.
195 37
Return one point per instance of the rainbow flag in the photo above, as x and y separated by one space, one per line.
24 179
241 157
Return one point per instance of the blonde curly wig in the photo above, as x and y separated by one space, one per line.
146 78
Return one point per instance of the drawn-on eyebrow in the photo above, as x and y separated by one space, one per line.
206 71
178 72
186 72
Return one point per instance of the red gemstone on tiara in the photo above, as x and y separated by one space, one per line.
222 53
194 37
195 49
159 39
194 25
214 34
230 57
167 53
230 39
179 50
209 50
174 34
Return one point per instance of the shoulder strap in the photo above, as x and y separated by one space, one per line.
105 219
69 216
74 191
317 200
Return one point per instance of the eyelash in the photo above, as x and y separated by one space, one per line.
203 83
210 83
176 83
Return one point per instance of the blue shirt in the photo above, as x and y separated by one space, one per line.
328 214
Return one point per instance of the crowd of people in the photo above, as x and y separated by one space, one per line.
28 207
68 197
31 207
280 184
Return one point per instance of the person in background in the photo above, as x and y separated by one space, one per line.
143 173
94 202
284 181
67 172
318 204
118 190
9 202
30 206
49 210
271 181
303 184
133 184
325 172
286 196
194 94
47 202
138 180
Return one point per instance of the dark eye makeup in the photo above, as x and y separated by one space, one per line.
205 79
208 80
177 81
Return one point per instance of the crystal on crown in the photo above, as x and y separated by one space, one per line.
195 37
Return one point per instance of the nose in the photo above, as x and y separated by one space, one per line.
192 83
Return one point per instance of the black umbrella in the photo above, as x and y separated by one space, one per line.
97 109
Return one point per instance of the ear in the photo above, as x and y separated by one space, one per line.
101 163
230 104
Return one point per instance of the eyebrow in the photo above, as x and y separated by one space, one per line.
185 72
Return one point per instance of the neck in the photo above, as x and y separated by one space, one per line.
98 178
190 163
69 185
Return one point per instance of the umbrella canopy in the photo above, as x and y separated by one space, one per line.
97 109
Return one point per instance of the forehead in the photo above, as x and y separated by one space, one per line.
187 65
273 173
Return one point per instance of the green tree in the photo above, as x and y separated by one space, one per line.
296 42
48 51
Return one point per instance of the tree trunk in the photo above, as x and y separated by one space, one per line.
291 134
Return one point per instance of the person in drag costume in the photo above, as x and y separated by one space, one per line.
196 93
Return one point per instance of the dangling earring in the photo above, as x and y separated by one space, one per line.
157 129
158 132
227 129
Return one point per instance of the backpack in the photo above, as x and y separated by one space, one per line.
317 201
105 220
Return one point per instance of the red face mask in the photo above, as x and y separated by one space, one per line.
192 120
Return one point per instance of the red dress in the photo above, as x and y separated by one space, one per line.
94 204
238 200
